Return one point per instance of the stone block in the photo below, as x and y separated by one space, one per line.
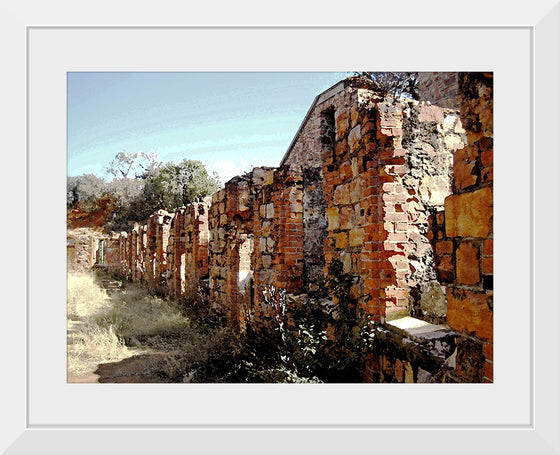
424 377
356 190
468 264
346 259
470 359
266 228
427 113
464 172
342 122
270 210
341 195
469 214
356 237
408 373
469 312
270 244
354 137
266 261
341 240
332 218
346 217
444 247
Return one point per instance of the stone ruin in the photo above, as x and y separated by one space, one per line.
399 190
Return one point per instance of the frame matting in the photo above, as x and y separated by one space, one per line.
518 414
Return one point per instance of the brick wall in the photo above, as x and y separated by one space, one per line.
187 250
388 165
440 88
357 184
82 248
399 190
464 234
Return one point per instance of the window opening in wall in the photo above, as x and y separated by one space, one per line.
245 274
328 129
101 248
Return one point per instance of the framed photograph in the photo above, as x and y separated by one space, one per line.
518 413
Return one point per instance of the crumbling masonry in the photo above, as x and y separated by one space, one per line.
399 190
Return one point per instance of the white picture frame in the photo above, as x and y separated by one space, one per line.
42 414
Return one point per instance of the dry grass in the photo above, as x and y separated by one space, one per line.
88 343
85 297
108 328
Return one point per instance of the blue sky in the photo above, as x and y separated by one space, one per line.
229 121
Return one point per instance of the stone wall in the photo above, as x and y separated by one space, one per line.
462 237
256 240
84 249
439 88
464 234
399 191
187 250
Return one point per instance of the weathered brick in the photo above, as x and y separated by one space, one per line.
468 311
489 370
430 114
356 237
469 214
468 264
488 265
346 217
354 137
342 122
341 195
464 168
332 218
341 240
470 359
488 247
489 351
445 263
444 247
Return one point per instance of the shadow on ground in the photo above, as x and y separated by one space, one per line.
141 368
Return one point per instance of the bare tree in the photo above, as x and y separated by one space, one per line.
393 83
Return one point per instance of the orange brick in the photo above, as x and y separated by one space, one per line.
356 237
468 268
345 171
489 370
341 195
488 265
346 217
487 174
445 263
445 247
487 158
469 214
488 247
341 240
489 351
468 311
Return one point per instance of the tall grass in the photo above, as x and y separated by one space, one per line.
88 343
110 327
142 319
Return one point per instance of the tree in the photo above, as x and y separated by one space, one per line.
393 83
84 190
139 163
174 185
141 185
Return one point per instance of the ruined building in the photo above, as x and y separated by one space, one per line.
400 191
